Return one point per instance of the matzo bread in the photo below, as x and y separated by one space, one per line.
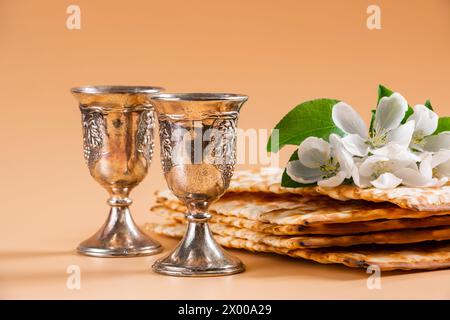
258 202
420 199
303 210
177 216
268 180
323 229
424 256
315 241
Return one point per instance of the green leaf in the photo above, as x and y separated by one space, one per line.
311 118
383 92
287 182
408 113
372 120
428 105
386 92
443 125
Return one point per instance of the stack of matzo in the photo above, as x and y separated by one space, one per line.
404 228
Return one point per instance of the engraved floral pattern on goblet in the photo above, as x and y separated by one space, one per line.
93 132
144 135
198 154
224 151
118 124
166 145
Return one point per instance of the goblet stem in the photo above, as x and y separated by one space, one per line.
198 254
119 236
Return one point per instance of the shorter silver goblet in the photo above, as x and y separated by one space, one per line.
118 123
198 152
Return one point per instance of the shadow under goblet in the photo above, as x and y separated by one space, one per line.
118 124
198 152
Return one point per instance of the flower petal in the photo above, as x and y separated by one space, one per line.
422 155
425 167
360 181
314 152
338 151
437 142
426 120
396 152
348 120
413 178
397 164
403 134
355 145
386 181
443 170
301 174
368 165
390 113
440 157
333 181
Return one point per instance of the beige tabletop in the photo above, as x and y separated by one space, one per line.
280 53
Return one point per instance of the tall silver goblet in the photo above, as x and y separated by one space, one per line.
198 152
118 124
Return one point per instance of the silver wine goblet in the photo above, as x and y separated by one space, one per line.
118 124
198 152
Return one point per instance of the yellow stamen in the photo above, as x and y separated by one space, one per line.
377 141
378 170
418 139
330 168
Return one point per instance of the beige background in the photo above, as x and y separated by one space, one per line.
280 53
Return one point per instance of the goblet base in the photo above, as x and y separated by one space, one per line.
119 237
117 252
198 255
172 270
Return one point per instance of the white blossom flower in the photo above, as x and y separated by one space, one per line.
378 171
426 122
391 154
393 165
389 167
328 164
386 127
436 166
440 164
